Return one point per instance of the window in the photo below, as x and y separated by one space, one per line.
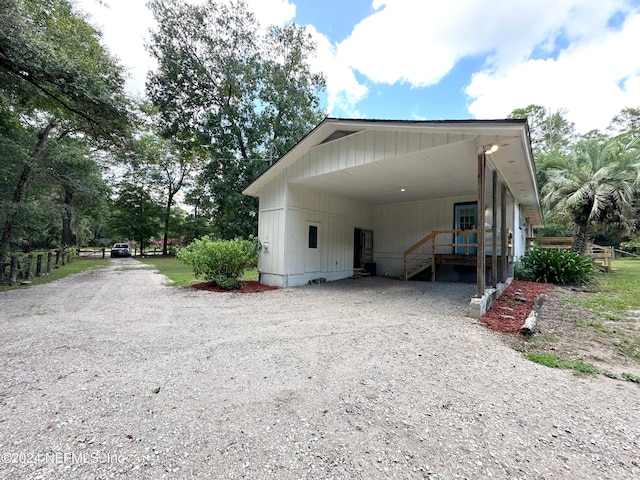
313 236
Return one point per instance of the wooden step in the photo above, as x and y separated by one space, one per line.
417 269
360 272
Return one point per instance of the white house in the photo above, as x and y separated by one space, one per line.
400 198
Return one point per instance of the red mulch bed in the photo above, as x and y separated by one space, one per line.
249 286
507 314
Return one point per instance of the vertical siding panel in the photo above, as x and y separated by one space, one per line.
426 141
342 159
401 143
322 160
378 145
304 170
439 139
361 148
413 142
390 139
335 156
370 146
351 151
313 162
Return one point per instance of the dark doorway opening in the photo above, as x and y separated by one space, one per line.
363 249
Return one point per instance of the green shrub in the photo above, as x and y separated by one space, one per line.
562 267
221 261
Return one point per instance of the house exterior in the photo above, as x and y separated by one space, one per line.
363 193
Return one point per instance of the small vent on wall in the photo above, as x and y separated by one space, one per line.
337 134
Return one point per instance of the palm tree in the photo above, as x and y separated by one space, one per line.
597 181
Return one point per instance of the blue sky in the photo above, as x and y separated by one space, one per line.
434 59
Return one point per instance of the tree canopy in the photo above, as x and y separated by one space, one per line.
56 81
228 88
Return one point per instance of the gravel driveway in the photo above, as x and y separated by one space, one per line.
110 373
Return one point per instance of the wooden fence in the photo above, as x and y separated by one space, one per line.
601 256
23 267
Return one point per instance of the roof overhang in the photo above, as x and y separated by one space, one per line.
444 170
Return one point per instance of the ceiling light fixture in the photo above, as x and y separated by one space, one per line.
489 149
402 189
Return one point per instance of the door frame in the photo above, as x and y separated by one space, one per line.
456 226
313 254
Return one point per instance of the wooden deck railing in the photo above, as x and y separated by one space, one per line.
421 255
600 255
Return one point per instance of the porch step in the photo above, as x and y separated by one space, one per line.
417 269
360 272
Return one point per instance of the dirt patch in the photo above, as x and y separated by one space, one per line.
249 286
576 333
564 329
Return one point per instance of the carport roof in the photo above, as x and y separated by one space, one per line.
443 170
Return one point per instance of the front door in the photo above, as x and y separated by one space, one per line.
313 255
362 247
466 218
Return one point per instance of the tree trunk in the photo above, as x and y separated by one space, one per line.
10 223
580 238
167 213
66 220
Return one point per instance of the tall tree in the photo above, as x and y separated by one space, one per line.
626 124
226 86
550 131
58 81
137 215
597 181
168 169
78 183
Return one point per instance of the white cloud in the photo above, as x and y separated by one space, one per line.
419 42
125 26
557 53
272 12
343 89
594 78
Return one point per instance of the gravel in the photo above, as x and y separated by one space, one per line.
111 373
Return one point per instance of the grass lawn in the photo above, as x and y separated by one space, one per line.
77 266
606 319
181 274
616 293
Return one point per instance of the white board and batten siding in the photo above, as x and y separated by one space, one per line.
287 209
271 232
365 147
336 218
398 226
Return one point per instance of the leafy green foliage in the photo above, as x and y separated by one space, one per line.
56 82
632 245
221 261
562 267
550 131
137 214
597 182
51 61
226 89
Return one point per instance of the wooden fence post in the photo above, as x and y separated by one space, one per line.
29 265
39 265
49 255
57 258
13 271
103 250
